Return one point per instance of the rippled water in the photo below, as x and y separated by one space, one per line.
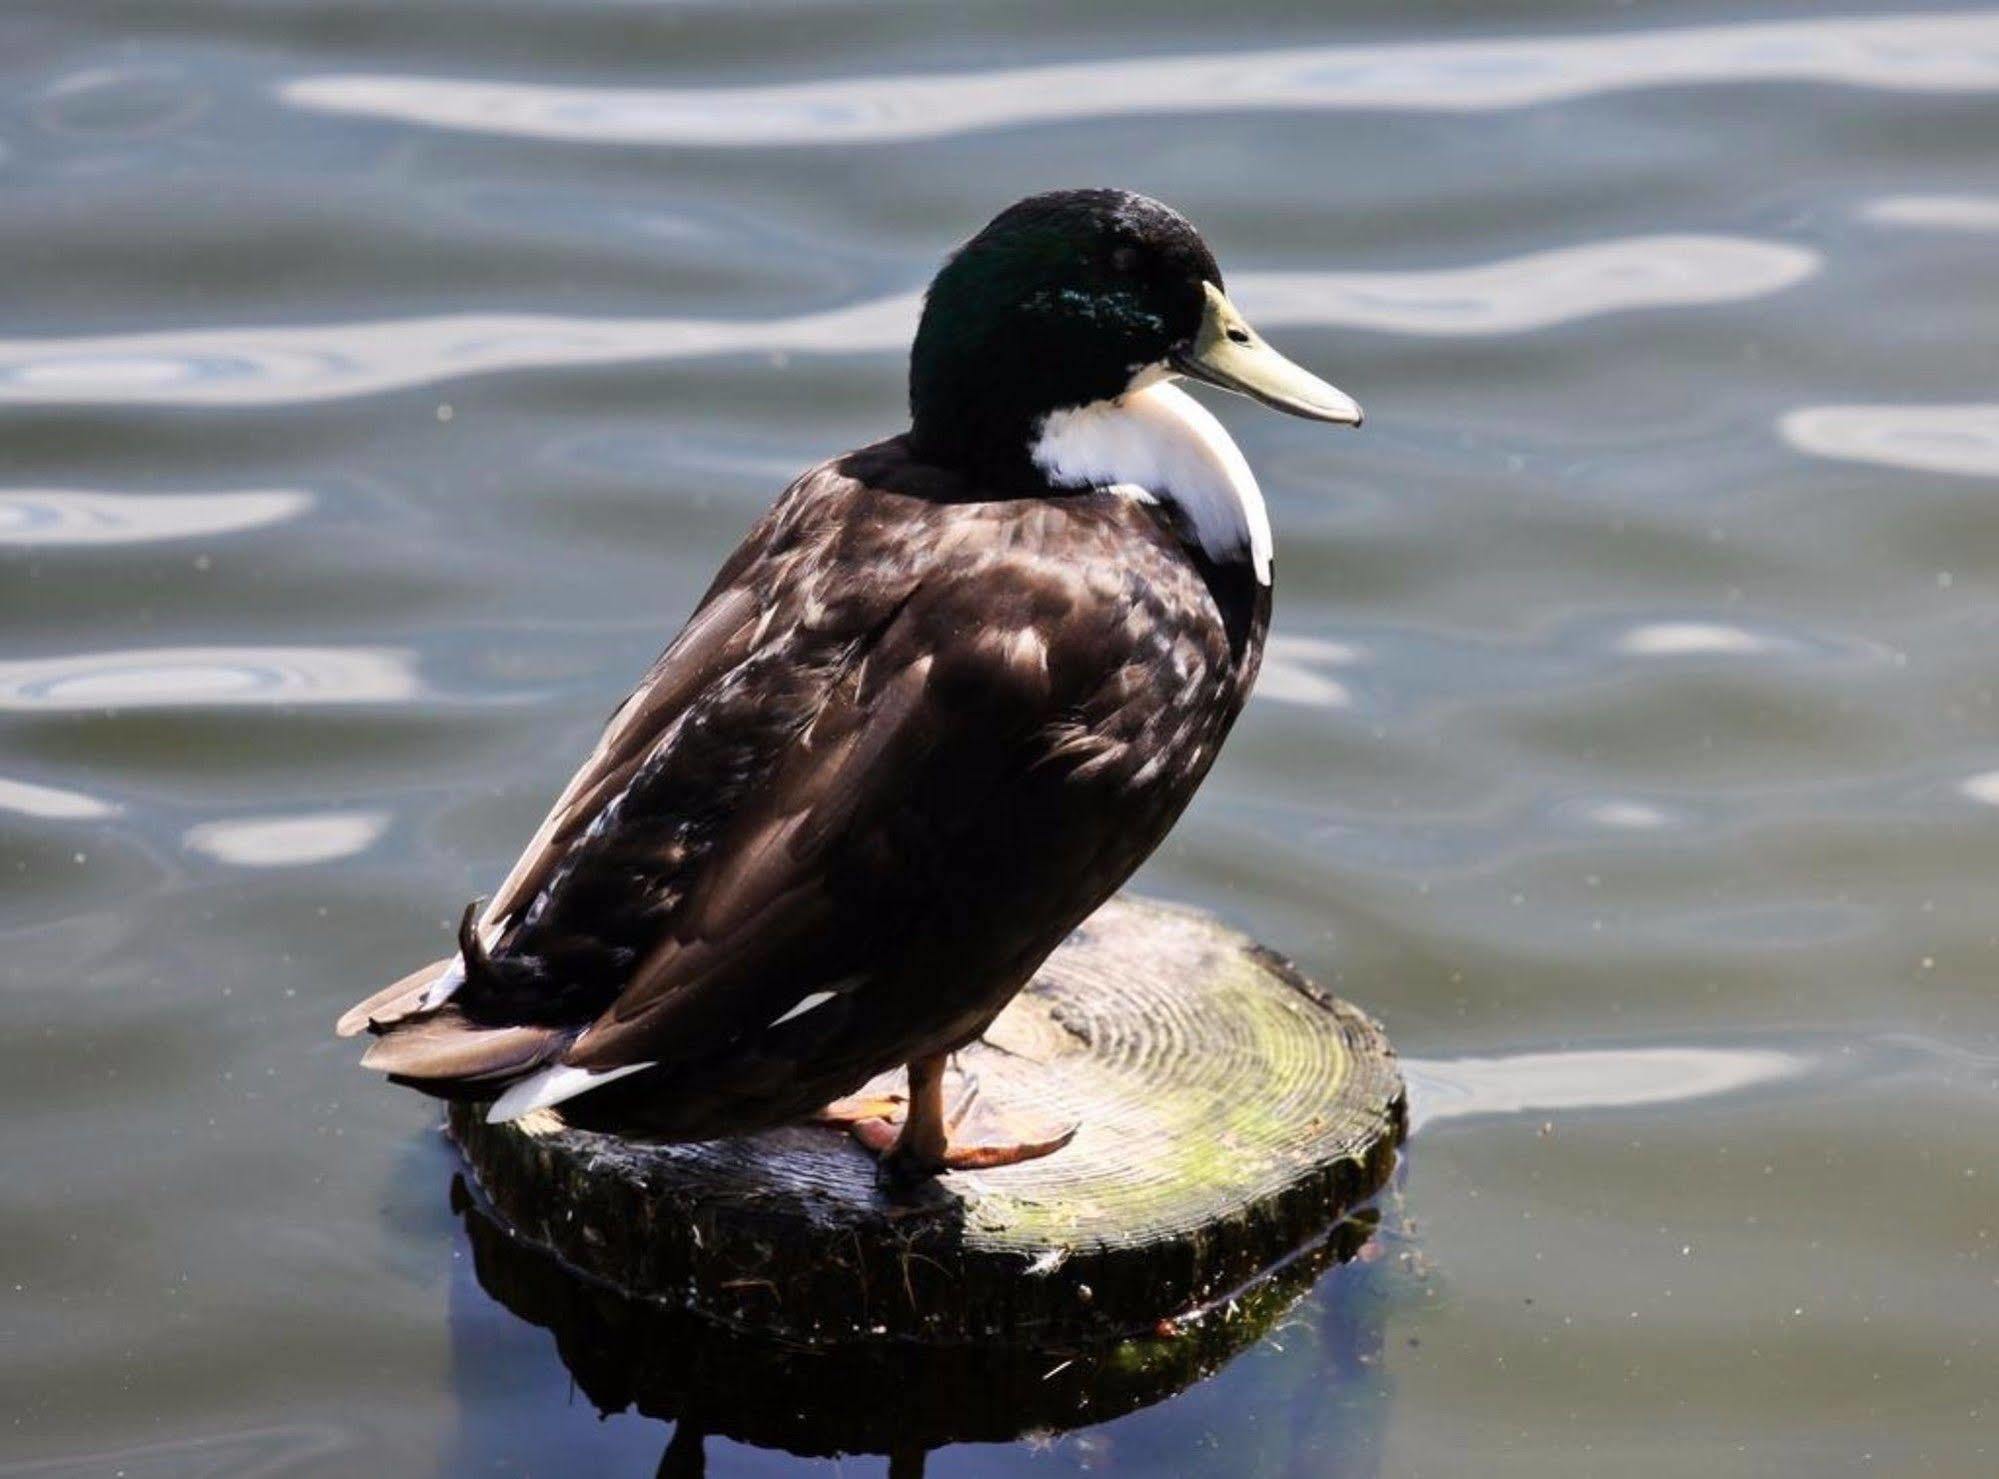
379 384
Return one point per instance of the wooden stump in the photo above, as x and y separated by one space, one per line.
1231 1113
900 1398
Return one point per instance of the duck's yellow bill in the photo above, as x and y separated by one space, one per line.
1228 353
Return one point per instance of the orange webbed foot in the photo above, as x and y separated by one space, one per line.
945 1125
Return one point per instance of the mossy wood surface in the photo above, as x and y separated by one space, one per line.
1230 1113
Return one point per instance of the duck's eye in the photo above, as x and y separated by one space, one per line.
1125 259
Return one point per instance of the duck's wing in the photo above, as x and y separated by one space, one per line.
961 689
662 932
713 641
706 648
729 620
745 866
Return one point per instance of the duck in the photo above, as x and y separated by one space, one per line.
947 695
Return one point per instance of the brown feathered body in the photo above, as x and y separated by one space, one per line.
911 737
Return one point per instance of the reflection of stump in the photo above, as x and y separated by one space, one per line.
1230 1113
884 1397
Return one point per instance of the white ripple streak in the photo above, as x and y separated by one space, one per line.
1293 672
1925 53
1939 212
1693 639
52 802
1538 1083
287 841
290 363
51 516
1629 816
203 677
1536 291
1961 439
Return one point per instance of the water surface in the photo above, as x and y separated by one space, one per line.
380 383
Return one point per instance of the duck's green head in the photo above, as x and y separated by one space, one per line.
1074 297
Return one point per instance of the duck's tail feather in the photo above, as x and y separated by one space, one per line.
445 1055
424 1039
395 1004
424 991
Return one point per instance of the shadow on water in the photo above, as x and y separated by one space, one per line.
901 1399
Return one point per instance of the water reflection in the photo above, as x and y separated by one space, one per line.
250 1452
1618 1078
1294 672
1536 291
290 363
1758 828
290 841
717 1382
900 1399
52 802
1624 815
49 516
119 102
285 363
1939 212
1942 53
205 677
1961 439
1694 639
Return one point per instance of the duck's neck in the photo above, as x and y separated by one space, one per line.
1159 445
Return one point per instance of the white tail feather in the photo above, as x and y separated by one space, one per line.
806 1004
444 987
551 1086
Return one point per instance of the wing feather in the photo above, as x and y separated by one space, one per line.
711 643
946 703
773 808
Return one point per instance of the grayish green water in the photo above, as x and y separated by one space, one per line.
380 382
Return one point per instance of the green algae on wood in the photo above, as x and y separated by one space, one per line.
1230 1114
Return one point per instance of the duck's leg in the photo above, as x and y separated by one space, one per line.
968 1135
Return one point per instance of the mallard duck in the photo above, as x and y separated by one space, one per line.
948 694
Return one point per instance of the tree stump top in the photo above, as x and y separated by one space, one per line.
1231 1113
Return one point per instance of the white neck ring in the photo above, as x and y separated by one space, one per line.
1159 445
